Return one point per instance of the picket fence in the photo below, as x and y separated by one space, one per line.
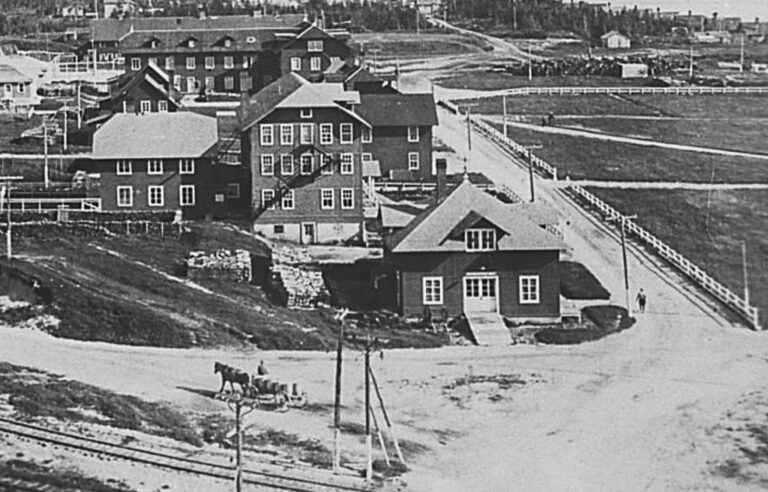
686 266
628 90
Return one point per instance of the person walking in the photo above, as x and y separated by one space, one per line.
642 299
262 369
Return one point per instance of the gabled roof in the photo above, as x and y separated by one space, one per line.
182 134
398 109
430 231
292 91
176 40
612 33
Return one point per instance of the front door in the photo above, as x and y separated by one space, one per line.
308 233
480 294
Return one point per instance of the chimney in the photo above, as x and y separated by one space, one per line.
441 168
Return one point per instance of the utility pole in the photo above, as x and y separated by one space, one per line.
690 64
504 107
623 220
238 451
744 268
337 397
45 152
530 64
468 109
79 108
368 439
65 126
529 154
514 15
7 188
418 30
741 65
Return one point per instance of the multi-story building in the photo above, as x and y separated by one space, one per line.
156 162
303 144
401 135
16 89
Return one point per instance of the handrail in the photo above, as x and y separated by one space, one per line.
694 272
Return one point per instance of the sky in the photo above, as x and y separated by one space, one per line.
746 9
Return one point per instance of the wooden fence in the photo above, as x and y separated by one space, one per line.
628 90
686 266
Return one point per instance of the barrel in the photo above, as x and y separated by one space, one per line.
273 386
283 388
295 389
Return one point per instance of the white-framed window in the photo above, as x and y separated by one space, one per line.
156 195
145 106
177 82
529 289
246 82
367 135
326 133
305 113
162 106
210 63
327 166
326 198
152 60
229 62
345 133
366 157
347 198
413 161
295 64
315 45
135 63
267 165
268 198
20 87
347 163
306 163
315 63
286 134
190 62
187 195
169 63
192 84
227 43
125 196
480 239
209 84
233 190
306 133
286 164
288 201
154 166
432 290
124 168
267 133
191 43
413 133
186 166
229 83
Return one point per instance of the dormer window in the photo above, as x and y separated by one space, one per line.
191 43
227 43
480 239
250 39
315 46
153 43
305 113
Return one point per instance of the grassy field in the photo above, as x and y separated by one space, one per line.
732 134
480 79
711 106
711 235
583 158
411 45
560 105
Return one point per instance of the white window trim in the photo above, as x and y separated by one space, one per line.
191 63
229 82
229 62
366 157
351 205
315 46
265 192
263 134
326 133
333 199
124 173
479 233
305 113
367 135
310 134
162 106
263 162
327 170
130 196
182 202
315 64
432 302
413 164
170 63
183 170
162 195
351 157
417 137
233 186
149 167
287 194
295 64
286 158
135 63
301 164
145 106
286 134
537 292
342 126
212 64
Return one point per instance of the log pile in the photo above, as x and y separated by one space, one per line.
304 287
223 264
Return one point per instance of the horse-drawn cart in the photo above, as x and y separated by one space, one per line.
261 391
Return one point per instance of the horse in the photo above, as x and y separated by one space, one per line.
232 375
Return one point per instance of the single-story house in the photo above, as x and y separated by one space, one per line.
615 40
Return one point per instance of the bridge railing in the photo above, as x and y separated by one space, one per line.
677 259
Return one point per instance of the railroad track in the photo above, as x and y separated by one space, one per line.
263 479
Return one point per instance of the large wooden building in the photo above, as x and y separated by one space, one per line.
470 253
303 144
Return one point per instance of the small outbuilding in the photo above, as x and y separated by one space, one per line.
615 40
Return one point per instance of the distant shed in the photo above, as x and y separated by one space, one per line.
633 70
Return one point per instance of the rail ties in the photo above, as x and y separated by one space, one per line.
269 480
